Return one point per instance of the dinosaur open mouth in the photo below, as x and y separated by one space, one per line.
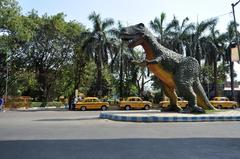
132 43
126 37
132 40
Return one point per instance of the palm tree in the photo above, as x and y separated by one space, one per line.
116 63
122 64
173 35
97 44
194 47
179 34
213 47
157 25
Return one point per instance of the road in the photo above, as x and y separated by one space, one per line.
81 135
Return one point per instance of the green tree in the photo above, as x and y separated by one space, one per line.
179 34
162 30
50 48
194 48
97 45
72 74
213 48
9 14
12 33
157 25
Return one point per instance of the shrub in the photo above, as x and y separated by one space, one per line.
48 104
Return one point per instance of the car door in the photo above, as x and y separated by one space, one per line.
88 103
228 104
96 103
139 103
136 103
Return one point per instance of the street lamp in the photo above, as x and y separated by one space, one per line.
237 40
235 25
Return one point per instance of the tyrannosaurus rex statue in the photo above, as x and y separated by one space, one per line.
175 72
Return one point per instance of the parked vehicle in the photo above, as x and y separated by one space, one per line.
223 102
91 103
166 103
135 103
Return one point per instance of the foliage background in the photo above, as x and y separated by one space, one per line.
46 57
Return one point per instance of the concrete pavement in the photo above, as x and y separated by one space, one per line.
82 135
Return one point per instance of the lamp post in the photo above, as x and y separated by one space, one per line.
237 41
121 72
235 25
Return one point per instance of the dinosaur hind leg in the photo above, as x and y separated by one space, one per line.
186 90
186 73
202 99
171 94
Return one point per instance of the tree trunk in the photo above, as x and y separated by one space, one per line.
232 80
216 93
121 73
99 63
142 84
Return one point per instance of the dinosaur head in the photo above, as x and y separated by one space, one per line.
134 34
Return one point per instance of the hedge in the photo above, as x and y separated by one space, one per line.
48 104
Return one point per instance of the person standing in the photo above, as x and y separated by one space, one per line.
1 104
75 100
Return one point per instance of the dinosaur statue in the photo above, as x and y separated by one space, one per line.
175 72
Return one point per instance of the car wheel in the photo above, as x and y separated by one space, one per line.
127 107
219 107
83 108
146 107
104 108
234 107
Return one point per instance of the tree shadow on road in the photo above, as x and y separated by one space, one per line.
69 119
178 148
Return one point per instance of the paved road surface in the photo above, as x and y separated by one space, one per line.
81 135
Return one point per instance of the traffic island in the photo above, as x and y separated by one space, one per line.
158 116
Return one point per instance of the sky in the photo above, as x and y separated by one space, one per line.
130 12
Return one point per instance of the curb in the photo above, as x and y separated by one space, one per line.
53 108
151 118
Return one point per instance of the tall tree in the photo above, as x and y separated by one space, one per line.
213 48
12 32
179 34
50 48
158 26
97 44
194 48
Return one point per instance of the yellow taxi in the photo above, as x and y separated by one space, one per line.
166 103
91 103
223 102
135 103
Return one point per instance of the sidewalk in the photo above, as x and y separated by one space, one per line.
37 108
158 116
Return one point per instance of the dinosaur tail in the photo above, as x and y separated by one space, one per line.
202 99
